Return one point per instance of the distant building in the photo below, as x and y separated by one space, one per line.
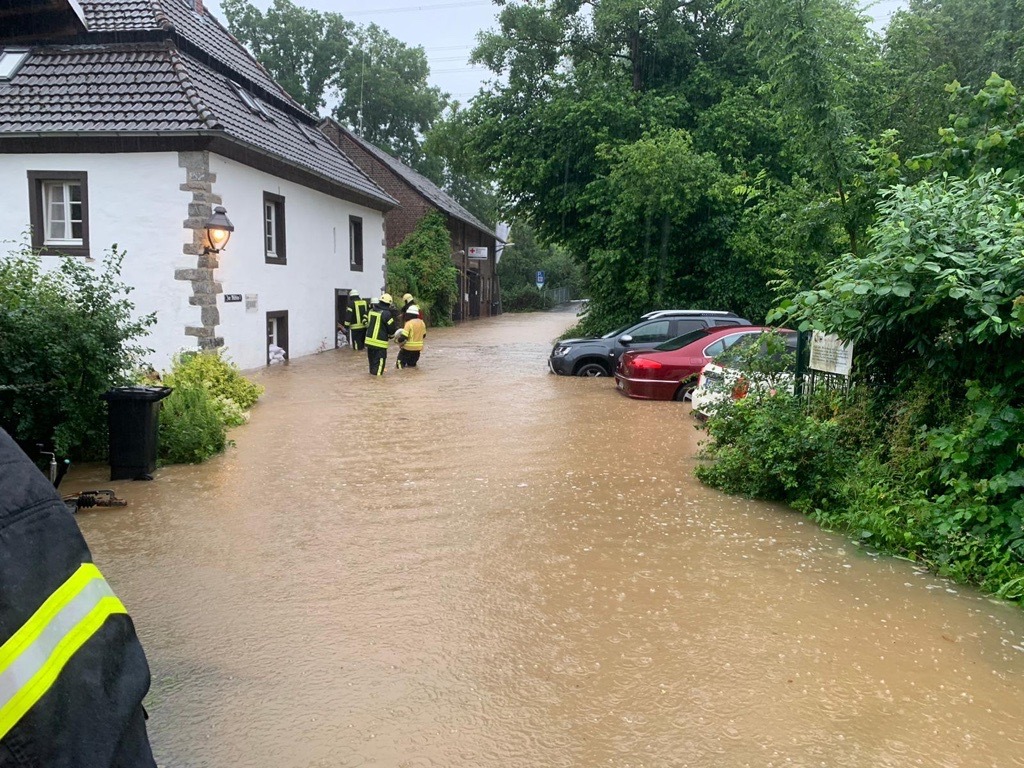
128 121
474 244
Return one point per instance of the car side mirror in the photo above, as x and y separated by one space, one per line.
625 339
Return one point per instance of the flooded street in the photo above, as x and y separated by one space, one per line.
477 564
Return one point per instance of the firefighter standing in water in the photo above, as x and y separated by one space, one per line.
380 327
410 338
355 320
72 671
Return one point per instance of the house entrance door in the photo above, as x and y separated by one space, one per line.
474 293
340 309
277 331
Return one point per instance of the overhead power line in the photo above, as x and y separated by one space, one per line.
415 8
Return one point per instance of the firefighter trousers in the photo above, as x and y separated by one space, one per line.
378 358
357 337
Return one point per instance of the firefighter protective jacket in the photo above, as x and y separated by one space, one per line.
355 315
72 670
380 327
414 331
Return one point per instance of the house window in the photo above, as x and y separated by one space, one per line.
59 212
273 229
355 248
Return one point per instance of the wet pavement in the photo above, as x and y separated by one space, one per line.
479 564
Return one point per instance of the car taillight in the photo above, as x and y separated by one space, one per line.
643 365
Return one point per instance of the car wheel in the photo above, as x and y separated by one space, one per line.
592 369
684 392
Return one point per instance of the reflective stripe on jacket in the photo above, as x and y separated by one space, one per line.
355 315
415 331
72 671
380 326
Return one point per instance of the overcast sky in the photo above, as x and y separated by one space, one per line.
447 30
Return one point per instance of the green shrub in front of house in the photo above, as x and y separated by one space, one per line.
210 396
68 333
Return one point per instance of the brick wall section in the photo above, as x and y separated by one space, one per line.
400 222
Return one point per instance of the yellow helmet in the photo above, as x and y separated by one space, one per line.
385 298
407 298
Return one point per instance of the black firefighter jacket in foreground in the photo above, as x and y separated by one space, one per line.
72 670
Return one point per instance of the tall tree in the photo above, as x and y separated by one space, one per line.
823 69
368 79
934 42
302 49
384 93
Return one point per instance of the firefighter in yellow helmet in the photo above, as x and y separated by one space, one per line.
380 327
410 338
407 301
355 320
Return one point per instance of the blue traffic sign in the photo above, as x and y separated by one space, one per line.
540 278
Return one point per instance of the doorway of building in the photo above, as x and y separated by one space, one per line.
340 310
474 293
277 331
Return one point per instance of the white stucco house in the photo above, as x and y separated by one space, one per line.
128 122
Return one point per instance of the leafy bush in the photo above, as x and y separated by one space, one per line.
192 427
220 376
767 447
422 265
525 298
210 395
67 334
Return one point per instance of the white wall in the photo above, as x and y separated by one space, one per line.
317 249
135 201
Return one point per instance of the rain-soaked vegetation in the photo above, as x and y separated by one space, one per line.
785 160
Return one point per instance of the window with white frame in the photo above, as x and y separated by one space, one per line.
273 229
59 212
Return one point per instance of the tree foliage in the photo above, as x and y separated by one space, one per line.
940 286
520 262
366 78
422 265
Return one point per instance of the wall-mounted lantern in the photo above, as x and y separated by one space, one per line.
218 230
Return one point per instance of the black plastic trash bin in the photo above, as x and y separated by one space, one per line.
134 418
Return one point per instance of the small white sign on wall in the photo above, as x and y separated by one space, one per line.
252 302
830 354
477 252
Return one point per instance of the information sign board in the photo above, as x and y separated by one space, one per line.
830 354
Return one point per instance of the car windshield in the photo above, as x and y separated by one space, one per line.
681 341
617 332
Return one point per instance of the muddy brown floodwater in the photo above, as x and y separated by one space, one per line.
477 564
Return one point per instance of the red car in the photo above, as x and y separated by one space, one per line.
670 370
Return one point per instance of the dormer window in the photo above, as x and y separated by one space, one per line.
10 60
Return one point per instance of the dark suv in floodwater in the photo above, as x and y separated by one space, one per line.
598 357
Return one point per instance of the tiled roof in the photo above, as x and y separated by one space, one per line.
280 135
207 34
170 78
148 88
423 185
95 89
120 15
200 30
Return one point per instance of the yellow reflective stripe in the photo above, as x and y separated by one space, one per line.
32 659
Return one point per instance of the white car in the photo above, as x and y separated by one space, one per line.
718 383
